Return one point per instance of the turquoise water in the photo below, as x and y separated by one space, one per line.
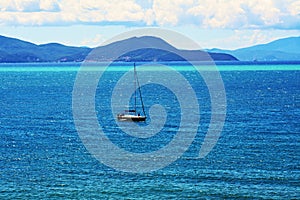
125 67
256 157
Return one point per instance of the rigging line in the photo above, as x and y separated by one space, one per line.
135 78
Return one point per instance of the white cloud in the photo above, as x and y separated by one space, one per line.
218 14
101 10
19 5
243 13
169 11
294 8
49 5
232 14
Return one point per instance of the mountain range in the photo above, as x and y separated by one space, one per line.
15 50
149 48
143 48
286 49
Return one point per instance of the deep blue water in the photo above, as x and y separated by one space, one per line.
256 157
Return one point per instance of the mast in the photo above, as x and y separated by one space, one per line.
135 78
140 92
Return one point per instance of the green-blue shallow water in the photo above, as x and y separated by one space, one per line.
180 66
256 157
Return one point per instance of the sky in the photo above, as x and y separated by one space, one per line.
226 24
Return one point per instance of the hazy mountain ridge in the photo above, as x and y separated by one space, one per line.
143 49
148 48
15 50
286 49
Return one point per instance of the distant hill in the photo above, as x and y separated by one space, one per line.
145 49
15 50
287 49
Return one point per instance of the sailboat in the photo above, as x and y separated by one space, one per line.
132 114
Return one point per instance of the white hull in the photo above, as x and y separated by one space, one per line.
135 118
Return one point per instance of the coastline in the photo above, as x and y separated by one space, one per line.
126 66
116 63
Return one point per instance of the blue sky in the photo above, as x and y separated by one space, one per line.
227 24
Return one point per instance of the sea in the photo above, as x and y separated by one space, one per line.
44 154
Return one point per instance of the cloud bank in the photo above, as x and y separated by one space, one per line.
232 14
